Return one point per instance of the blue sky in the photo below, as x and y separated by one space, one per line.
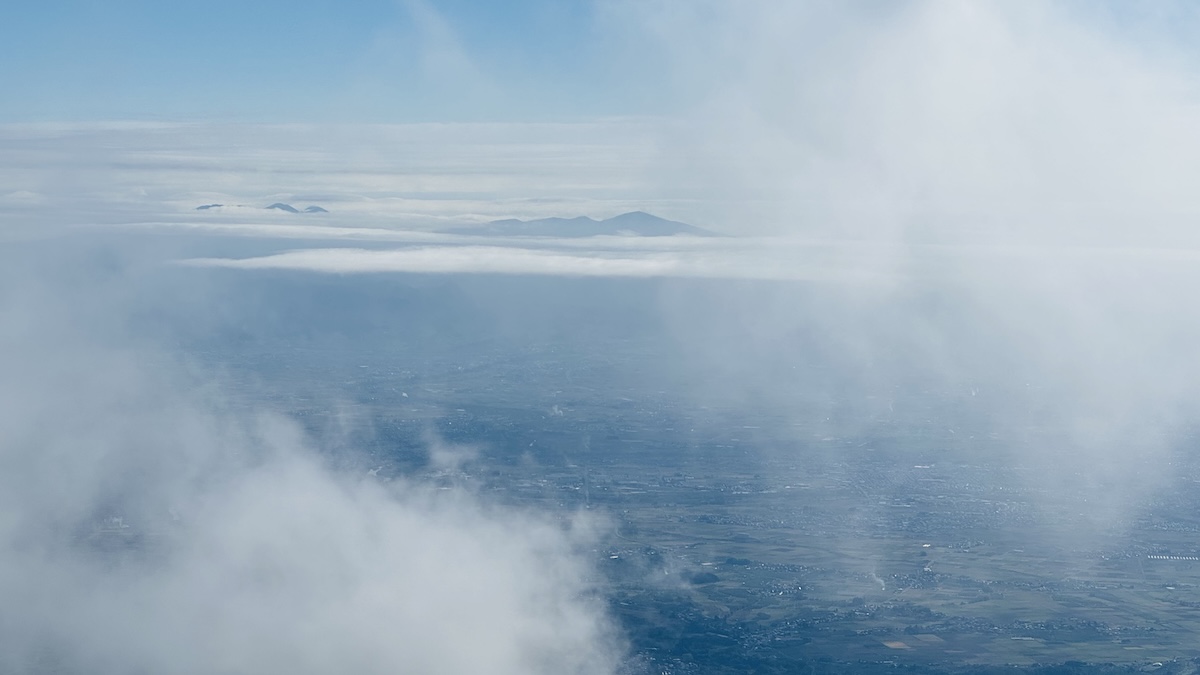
321 60
405 60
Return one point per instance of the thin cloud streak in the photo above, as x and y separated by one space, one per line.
777 259
744 264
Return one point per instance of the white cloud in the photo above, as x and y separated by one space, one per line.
778 260
929 118
1054 154
469 259
147 525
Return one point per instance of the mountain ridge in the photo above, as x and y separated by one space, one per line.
636 223
277 206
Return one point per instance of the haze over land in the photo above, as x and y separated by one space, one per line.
929 398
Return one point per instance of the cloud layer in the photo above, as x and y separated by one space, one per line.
403 175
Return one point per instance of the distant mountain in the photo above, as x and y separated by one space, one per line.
277 206
636 223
